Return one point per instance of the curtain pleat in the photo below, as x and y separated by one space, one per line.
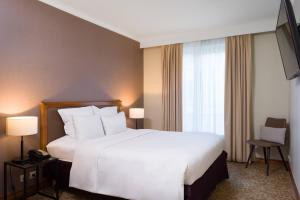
172 86
238 88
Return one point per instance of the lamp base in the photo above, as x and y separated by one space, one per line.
20 161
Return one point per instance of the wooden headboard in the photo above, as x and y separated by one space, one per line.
51 125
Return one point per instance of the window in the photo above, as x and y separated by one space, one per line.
203 86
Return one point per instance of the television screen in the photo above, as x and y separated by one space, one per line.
288 39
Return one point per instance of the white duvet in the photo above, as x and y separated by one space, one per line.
144 164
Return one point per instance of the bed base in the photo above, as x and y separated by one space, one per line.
199 190
202 187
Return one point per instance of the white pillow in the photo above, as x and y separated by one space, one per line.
67 114
114 124
273 134
88 127
105 111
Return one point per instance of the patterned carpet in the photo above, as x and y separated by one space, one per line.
243 184
253 184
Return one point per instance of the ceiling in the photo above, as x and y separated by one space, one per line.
158 22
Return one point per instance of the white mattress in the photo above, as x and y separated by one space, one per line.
137 164
63 148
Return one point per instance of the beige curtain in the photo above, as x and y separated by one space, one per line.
172 84
238 86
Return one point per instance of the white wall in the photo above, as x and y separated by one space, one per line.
271 89
295 118
295 130
153 88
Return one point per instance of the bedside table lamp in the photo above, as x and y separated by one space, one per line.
21 126
136 113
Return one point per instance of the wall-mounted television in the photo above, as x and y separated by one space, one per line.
288 39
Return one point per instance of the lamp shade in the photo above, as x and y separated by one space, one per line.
21 126
136 113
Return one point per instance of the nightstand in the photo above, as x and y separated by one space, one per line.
49 167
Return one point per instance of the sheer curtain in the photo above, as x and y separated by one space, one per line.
203 86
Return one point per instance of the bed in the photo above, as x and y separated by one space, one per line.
195 187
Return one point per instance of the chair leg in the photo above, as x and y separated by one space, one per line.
282 158
265 155
250 155
268 160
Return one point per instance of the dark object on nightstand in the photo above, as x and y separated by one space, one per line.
50 166
38 155
266 145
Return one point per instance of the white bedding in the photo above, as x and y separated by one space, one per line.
141 164
63 148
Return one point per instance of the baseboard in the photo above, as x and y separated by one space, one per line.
294 183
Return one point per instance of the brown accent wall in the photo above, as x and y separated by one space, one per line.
47 54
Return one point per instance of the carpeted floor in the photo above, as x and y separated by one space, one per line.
243 184
253 184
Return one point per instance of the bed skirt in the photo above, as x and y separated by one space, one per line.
199 190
